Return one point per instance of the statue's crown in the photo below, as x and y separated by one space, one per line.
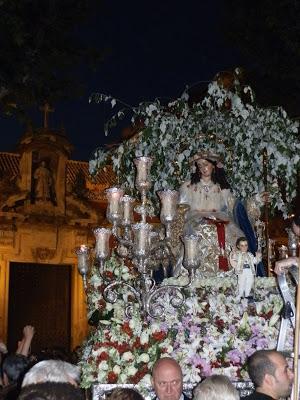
204 155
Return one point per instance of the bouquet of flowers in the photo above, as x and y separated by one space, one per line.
212 333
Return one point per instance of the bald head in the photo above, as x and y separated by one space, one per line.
167 379
166 363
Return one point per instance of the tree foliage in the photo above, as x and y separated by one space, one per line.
41 50
267 33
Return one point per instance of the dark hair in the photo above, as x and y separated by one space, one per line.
51 391
260 364
217 176
15 366
241 239
125 394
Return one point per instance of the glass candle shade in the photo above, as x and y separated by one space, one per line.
141 232
102 236
169 200
83 253
114 196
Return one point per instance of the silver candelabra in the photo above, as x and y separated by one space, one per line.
142 244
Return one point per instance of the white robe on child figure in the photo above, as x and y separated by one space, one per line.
244 266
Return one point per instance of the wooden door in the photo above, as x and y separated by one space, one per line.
39 295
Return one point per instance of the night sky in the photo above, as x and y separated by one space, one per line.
152 49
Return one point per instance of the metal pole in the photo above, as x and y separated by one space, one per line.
296 343
266 211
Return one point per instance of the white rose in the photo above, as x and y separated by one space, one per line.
144 337
125 269
123 378
131 371
103 366
116 369
169 349
132 323
113 353
101 376
155 327
144 358
126 276
127 356
145 381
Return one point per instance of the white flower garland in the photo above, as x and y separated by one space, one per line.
239 132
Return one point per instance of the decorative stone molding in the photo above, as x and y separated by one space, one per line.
43 253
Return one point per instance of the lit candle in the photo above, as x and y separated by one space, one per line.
83 259
102 236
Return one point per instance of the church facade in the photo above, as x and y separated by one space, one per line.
48 207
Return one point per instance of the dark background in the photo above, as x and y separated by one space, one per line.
154 49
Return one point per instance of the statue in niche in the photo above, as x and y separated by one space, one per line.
213 213
43 183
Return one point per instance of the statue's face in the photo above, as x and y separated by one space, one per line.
206 168
243 246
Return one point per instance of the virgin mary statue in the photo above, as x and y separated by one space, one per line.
214 214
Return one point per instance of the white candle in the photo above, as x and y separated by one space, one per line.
83 259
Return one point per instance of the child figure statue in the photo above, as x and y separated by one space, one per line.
243 262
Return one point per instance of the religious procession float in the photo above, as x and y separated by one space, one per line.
190 284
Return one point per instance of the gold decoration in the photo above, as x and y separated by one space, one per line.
43 253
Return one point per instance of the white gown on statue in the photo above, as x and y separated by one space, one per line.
207 203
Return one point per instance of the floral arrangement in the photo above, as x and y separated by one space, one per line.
212 333
228 122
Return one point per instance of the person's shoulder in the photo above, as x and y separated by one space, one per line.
257 396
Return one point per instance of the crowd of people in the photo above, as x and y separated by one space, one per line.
60 380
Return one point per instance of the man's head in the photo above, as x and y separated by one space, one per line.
52 371
51 391
167 379
242 244
14 367
270 373
216 387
